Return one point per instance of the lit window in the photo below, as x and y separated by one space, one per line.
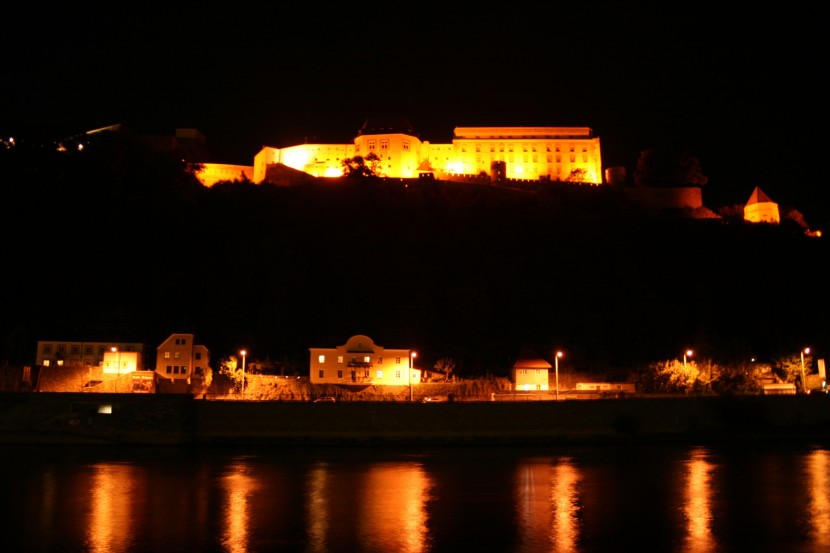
321 358
398 374
167 355
340 359
397 360
177 355
366 359
60 362
46 362
380 375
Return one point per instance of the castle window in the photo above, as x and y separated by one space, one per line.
320 373
405 145
339 373
321 358
167 355
169 369
47 349
75 350
371 144
573 159
380 375
340 359
398 374
558 159
367 359
384 144
380 360
177 355
88 350
585 158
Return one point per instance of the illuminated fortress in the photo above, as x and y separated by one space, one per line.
523 153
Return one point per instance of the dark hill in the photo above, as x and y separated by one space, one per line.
474 272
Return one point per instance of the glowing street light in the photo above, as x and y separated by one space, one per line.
687 353
556 362
412 356
803 378
117 365
243 353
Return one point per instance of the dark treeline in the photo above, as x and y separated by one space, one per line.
121 243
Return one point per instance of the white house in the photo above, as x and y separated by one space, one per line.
361 362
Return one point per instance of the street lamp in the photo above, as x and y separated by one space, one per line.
243 353
556 362
803 379
118 366
687 353
412 356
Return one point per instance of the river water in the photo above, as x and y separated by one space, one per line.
674 498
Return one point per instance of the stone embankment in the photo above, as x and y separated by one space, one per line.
179 420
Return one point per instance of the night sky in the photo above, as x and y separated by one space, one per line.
738 89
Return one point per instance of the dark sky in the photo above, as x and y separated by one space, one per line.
738 88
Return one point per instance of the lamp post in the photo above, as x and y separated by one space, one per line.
117 366
243 353
803 378
412 356
687 353
556 363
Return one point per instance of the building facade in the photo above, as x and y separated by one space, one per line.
361 362
179 359
522 153
531 373
55 353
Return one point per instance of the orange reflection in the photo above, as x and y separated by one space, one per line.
697 503
390 502
317 509
548 505
394 516
238 487
819 489
111 523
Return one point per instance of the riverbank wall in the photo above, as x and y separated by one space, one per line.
179 420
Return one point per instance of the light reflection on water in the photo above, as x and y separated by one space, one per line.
526 500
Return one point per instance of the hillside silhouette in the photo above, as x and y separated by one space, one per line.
125 245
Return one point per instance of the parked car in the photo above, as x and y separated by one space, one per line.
325 399
431 399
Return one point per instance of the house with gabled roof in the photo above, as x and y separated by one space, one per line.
531 372
761 209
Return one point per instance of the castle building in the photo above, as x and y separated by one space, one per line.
522 153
